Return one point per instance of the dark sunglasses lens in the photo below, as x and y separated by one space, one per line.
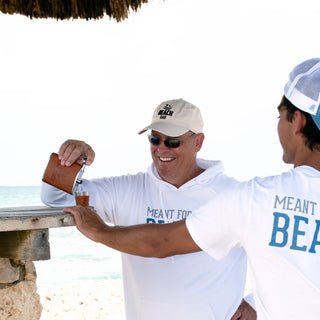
172 143
154 141
169 143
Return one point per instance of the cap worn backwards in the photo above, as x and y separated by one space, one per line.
303 88
175 117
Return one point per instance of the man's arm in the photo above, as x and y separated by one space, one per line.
146 240
55 198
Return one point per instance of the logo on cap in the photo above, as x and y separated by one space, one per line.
165 111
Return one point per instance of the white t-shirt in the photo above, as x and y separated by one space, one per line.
188 287
277 221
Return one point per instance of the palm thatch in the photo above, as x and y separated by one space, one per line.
66 9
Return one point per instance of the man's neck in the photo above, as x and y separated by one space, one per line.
178 182
309 158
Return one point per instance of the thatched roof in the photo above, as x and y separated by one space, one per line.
66 9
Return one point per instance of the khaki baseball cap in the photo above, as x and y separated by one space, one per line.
175 117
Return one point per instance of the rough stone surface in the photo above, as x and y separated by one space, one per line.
9 272
30 272
19 300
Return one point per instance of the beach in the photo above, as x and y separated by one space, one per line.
82 300
85 300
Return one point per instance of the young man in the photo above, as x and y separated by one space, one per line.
275 219
192 286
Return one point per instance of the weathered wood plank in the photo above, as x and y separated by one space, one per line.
31 218
28 245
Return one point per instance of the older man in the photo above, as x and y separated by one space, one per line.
191 286
275 219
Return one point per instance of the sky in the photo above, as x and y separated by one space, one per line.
100 81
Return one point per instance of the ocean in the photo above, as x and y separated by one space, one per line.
73 256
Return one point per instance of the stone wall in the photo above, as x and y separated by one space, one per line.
18 291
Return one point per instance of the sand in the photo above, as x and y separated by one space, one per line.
85 300
82 300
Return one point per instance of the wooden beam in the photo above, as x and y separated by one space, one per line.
28 245
31 218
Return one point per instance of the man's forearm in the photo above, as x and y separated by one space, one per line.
143 240
147 240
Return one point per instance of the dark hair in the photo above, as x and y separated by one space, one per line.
310 130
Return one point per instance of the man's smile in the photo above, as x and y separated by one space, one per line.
166 159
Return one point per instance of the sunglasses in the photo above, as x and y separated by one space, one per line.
169 143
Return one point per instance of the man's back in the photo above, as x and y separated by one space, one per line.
277 220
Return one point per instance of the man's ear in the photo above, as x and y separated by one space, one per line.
299 122
199 141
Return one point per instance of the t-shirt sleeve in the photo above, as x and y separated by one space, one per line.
220 225
101 197
54 197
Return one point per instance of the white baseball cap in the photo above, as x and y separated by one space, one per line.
303 88
175 117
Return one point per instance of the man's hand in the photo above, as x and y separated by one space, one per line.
244 312
73 151
88 222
